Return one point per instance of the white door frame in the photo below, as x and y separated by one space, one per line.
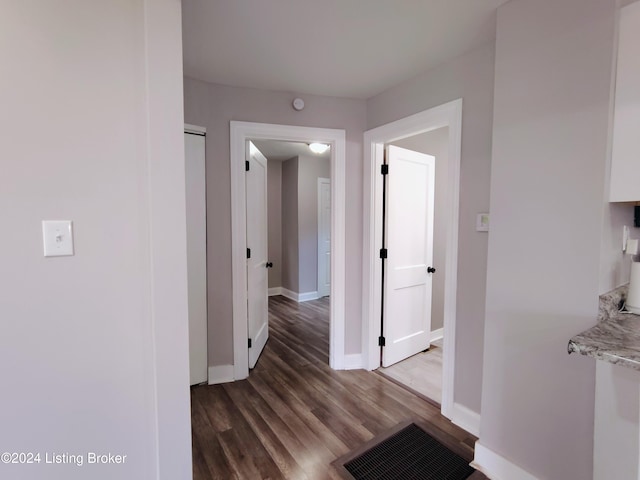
240 132
447 115
321 181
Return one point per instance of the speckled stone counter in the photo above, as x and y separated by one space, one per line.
616 337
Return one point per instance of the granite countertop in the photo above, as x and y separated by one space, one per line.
615 339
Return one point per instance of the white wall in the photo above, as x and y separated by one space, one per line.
290 270
295 192
309 170
274 206
469 77
213 106
436 143
93 350
550 142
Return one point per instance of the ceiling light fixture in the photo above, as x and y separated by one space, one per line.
318 147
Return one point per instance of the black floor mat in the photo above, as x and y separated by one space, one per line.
409 454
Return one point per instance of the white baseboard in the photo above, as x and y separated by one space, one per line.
298 297
353 361
496 466
437 334
289 294
220 374
272 292
305 297
466 418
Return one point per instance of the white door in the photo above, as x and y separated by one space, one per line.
257 248
409 243
194 149
324 237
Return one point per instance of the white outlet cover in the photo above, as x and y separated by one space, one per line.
57 238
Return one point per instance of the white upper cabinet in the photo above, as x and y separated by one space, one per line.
625 159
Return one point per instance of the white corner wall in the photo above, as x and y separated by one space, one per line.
309 170
274 205
93 350
550 143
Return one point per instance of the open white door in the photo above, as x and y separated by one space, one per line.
194 153
257 248
324 237
409 243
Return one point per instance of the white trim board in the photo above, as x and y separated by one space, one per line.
298 297
447 115
466 418
220 374
496 466
436 334
353 361
195 129
240 132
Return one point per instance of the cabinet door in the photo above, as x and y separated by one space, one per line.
625 158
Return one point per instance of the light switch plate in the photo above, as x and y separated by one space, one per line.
57 237
482 222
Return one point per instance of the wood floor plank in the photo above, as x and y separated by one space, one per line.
293 416
270 433
209 459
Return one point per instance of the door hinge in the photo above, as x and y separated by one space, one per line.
246 165
383 253
248 253
249 343
384 169
381 341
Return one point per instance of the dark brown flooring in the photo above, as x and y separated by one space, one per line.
293 416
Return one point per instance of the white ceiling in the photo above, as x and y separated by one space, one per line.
343 48
278 150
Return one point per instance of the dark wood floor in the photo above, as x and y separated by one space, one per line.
293 416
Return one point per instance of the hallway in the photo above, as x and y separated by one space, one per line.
294 415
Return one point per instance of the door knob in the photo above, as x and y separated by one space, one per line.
269 265
431 270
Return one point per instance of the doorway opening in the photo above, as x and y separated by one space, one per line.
241 132
285 216
421 368
448 115
299 219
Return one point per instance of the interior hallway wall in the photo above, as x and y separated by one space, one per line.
436 143
309 170
274 221
290 279
469 77
550 144
214 106
94 346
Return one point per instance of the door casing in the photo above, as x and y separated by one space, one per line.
446 115
336 138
